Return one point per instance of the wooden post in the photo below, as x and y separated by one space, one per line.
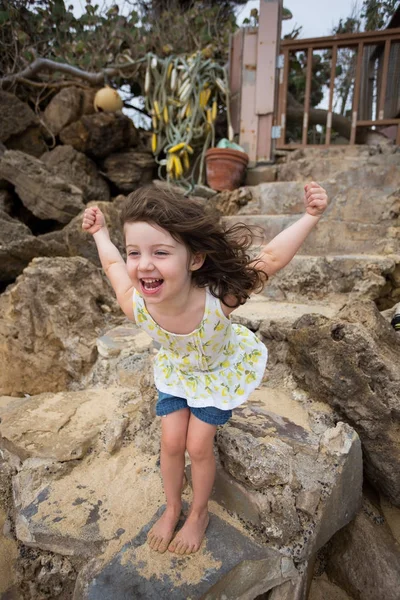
259 69
356 93
331 90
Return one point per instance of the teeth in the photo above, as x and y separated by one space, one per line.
151 280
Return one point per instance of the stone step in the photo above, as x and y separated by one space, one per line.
366 194
331 277
318 164
330 237
261 308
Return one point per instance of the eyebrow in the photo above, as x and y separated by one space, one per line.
153 246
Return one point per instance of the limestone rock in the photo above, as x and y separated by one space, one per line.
73 420
319 277
100 134
81 243
310 164
12 229
44 194
6 201
230 202
16 116
130 169
352 362
76 168
18 246
29 141
49 321
364 558
323 589
64 108
261 174
295 487
8 544
17 252
244 572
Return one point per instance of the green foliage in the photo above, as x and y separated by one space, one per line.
102 37
377 12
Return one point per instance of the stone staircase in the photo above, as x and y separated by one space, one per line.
355 249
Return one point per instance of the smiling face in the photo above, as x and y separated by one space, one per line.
159 266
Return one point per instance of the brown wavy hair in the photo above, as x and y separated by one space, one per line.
228 268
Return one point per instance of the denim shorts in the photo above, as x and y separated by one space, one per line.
168 404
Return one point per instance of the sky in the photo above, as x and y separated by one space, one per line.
317 17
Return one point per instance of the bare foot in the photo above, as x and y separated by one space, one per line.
189 538
162 531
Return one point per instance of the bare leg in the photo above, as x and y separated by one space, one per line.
173 442
199 443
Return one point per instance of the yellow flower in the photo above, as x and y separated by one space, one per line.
224 364
219 326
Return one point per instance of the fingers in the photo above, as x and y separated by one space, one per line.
89 217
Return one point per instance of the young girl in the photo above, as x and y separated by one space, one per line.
183 276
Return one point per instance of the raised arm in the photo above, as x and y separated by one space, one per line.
280 251
111 260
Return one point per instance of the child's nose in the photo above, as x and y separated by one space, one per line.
145 263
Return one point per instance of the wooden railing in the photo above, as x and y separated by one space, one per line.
375 98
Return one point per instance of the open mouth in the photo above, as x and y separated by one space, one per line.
151 286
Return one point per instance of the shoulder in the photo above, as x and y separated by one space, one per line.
228 304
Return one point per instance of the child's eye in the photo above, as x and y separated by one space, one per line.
133 253
161 253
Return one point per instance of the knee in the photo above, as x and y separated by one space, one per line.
199 452
173 445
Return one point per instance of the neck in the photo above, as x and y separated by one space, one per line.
176 306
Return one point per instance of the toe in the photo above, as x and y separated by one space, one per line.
172 546
162 547
182 548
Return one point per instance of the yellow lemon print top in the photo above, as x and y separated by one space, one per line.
218 364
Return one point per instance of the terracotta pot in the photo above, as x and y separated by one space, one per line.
225 168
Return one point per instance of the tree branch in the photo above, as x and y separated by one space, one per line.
44 64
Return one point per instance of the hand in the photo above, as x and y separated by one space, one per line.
93 220
315 199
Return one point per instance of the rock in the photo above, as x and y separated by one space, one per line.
261 174
229 202
12 229
292 485
351 362
78 169
335 276
16 116
81 243
244 572
318 164
44 194
29 141
74 421
323 589
64 108
49 321
130 169
100 134
17 252
364 558
6 201
296 588
8 544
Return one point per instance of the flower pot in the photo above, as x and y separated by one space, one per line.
225 168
